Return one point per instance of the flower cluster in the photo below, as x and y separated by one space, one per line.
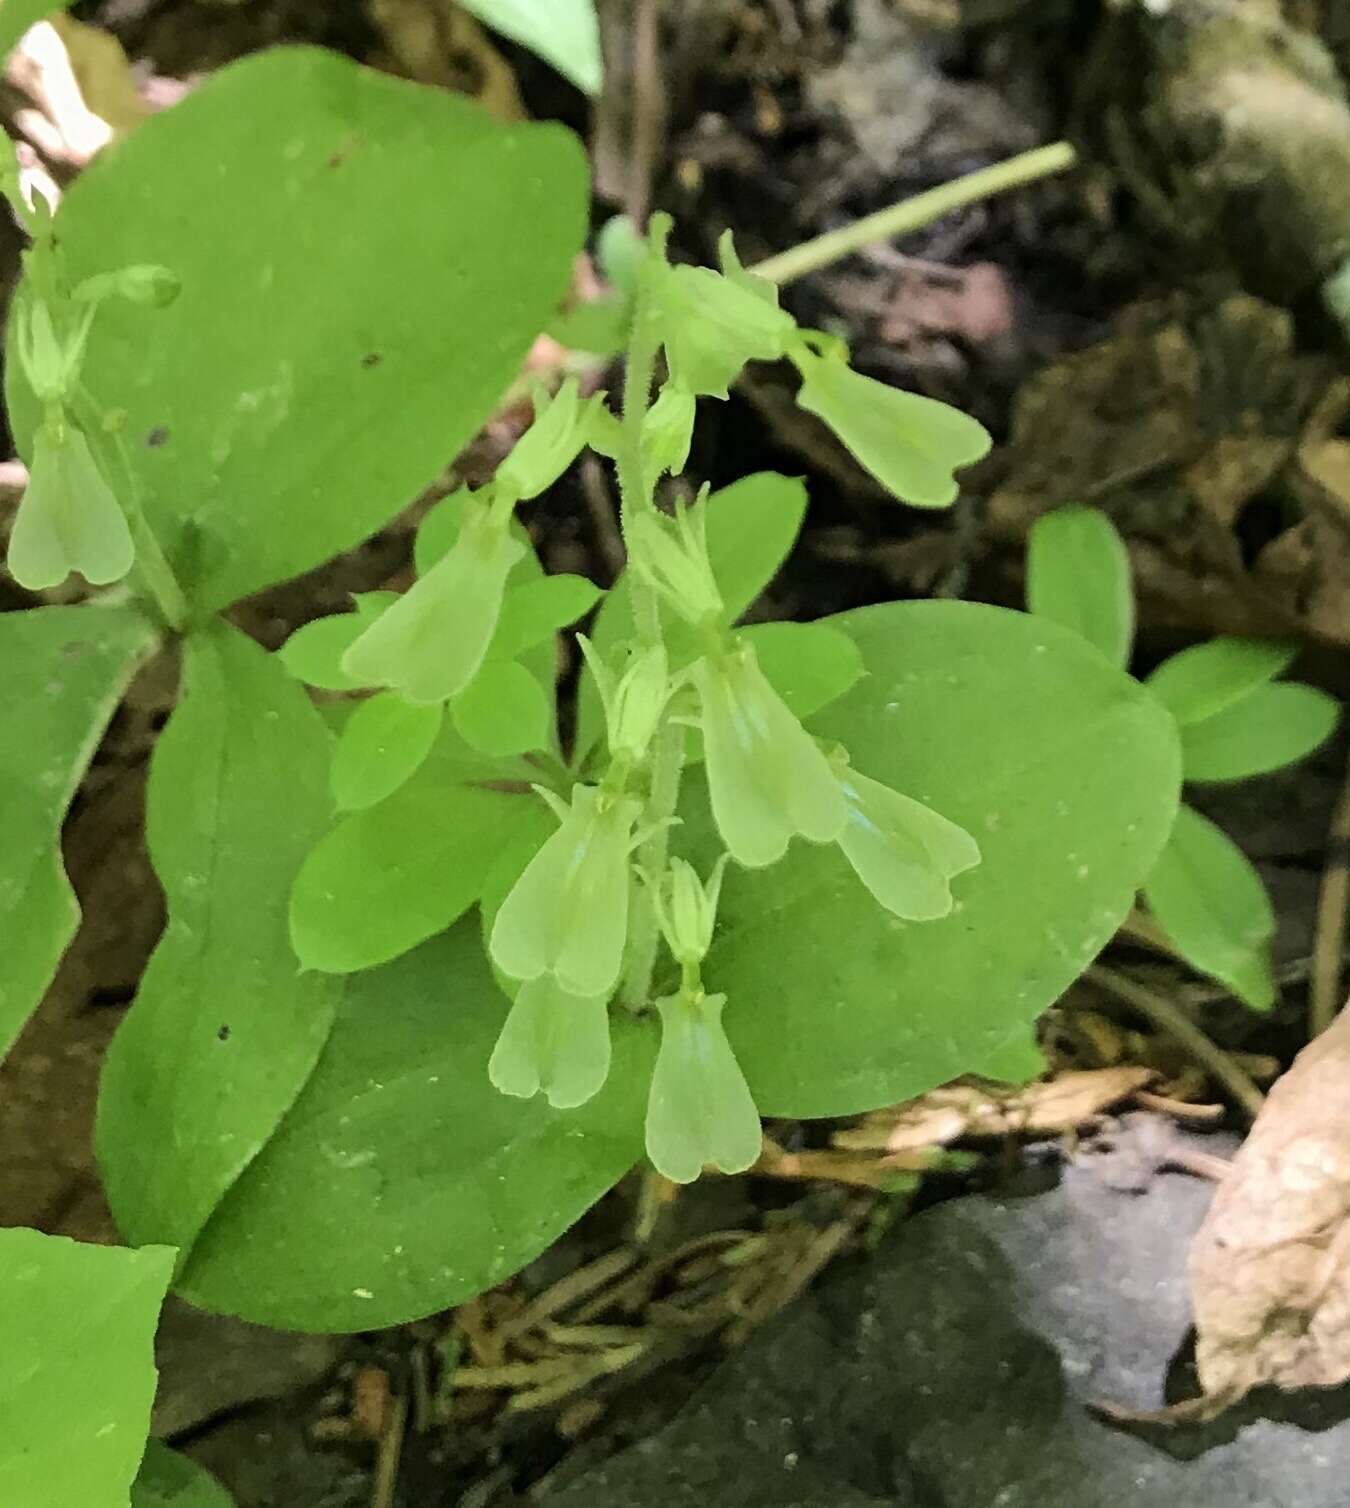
562 930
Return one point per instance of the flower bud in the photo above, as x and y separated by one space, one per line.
767 778
567 914
904 852
549 446
554 1042
686 909
633 706
699 1113
667 431
430 643
69 519
672 557
146 283
50 362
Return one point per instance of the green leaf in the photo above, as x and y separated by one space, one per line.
456 1185
382 745
168 1480
314 652
910 444
1213 907
1271 727
1210 677
1063 770
752 527
563 32
536 610
62 672
391 876
16 16
807 664
240 396
1078 575
224 1030
77 1367
503 711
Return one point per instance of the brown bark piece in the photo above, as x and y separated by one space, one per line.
1270 1266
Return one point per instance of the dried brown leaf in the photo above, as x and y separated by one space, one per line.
1270 1266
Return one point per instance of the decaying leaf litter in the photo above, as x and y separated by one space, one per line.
1116 330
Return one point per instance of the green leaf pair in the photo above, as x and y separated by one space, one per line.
1235 721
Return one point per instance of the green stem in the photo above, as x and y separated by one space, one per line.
922 209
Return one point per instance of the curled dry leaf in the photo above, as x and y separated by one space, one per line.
1270 1266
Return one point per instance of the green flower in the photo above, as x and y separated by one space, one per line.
767 777
634 703
910 443
671 556
567 914
555 1042
700 1113
712 325
904 852
550 445
69 519
686 909
430 643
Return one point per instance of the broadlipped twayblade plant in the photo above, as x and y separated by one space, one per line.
573 930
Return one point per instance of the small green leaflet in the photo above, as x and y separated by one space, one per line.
1212 905
1078 575
382 745
503 711
1208 678
563 32
1270 727
457 1185
911 444
62 672
314 652
77 1369
225 1029
386 878
168 1480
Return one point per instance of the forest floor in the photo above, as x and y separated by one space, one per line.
1146 333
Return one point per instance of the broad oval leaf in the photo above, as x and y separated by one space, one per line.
503 711
1271 727
402 1182
1212 905
387 878
77 1367
563 32
1065 773
62 672
170 1480
1207 678
1078 575
225 1029
239 396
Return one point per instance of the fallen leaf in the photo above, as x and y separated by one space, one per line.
1270 1266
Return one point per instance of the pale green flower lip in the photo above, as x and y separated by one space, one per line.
904 852
554 1042
69 519
567 914
700 1112
767 777
430 643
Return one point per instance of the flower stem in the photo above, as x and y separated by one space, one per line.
922 209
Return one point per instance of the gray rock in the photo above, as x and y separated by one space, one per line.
955 1368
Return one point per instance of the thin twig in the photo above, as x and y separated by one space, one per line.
1164 1015
649 109
390 1455
1324 994
913 213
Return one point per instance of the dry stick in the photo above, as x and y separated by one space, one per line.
922 209
390 1455
1324 996
1184 1031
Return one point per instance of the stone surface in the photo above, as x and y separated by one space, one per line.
955 1369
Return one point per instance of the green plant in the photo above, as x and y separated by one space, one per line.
1235 720
324 1096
